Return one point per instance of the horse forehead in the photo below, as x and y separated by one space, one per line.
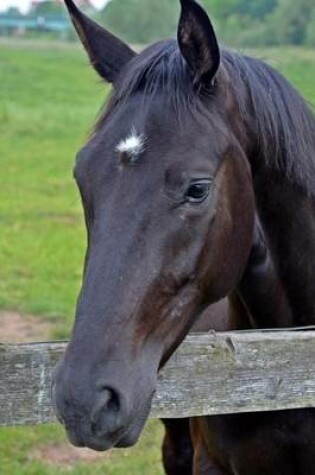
136 130
140 116
132 144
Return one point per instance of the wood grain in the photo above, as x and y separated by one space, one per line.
215 373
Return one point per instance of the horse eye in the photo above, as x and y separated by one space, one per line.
197 191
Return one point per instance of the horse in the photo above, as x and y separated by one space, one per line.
197 184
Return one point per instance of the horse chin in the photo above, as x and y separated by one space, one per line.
129 439
101 444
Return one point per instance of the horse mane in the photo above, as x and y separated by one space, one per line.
282 122
159 69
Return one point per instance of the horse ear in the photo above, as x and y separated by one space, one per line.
107 53
197 42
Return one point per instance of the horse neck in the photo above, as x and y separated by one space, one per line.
287 215
286 212
262 295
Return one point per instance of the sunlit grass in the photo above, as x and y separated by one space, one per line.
30 451
48 101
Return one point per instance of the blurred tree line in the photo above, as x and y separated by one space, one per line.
237 22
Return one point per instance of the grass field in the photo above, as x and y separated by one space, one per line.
49 98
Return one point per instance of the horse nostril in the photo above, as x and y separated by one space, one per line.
108 401
107 414
113 400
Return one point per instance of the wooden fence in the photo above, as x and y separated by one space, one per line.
214 373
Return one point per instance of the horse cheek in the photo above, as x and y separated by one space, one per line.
231 235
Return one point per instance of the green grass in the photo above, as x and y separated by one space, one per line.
297 65
48 100
19 447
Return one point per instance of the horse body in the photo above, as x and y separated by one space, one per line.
255 444
197 183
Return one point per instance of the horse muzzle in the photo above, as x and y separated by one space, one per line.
102 418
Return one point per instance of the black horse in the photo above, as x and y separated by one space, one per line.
197 183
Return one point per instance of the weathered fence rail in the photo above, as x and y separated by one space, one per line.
215 373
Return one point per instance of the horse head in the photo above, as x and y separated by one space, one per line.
168 201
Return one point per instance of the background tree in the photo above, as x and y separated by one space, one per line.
12 11
246 23
47 7
141 21
290 21
310 30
